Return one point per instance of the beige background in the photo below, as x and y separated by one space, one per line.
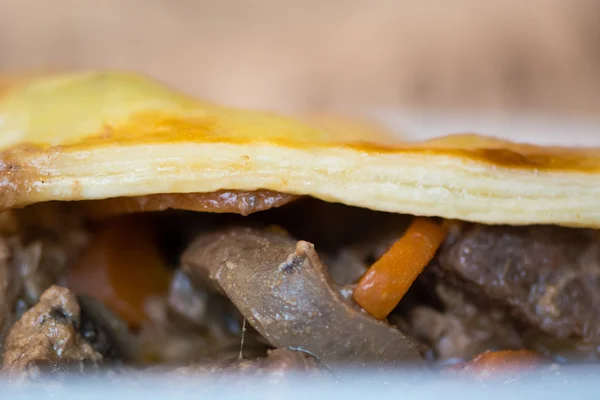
462 54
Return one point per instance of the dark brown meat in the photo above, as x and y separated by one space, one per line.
462 330
36 247
562 350
22 278
46 337
286 294
548 277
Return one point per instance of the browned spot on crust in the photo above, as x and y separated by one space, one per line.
223 201
17 177
510 158
563 159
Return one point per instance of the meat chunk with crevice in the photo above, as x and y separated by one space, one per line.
547 277
46 338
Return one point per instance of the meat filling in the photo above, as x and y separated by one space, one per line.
546 277
47 337
273 293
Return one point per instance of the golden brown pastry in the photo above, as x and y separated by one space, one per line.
97 135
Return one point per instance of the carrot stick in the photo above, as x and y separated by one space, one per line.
384 284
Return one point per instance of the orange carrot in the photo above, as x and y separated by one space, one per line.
496 363
122 268
384 284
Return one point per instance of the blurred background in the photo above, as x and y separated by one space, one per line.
395 59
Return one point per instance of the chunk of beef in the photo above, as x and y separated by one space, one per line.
565 350
37 245
286 294
21 278
548 277
46 337
462 330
